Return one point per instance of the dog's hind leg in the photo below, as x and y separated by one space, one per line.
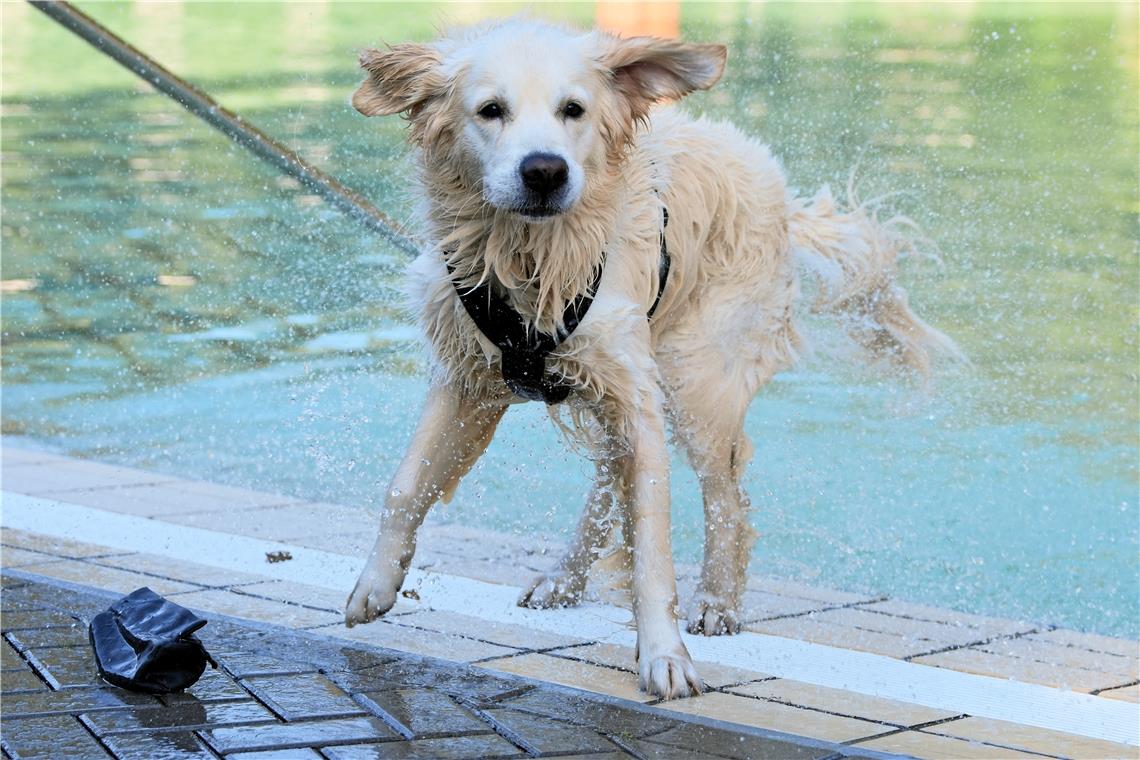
564 587
453 431
708 419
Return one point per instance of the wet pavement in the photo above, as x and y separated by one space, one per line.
282 694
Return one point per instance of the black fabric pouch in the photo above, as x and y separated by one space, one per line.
146 643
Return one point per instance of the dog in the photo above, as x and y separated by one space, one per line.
590 246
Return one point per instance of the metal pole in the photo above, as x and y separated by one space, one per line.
228 123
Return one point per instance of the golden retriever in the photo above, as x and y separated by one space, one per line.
551 171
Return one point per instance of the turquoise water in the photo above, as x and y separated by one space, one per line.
172 303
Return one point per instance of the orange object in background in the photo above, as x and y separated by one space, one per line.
660 19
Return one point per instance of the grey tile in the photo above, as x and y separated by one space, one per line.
701 739
278 754
20 680
10 659
51 738
39 704
486 746
213 686
423 712
69 636
289 735
605 717
34 619
302 696
186 716
245 664
63 667
175 745
546 735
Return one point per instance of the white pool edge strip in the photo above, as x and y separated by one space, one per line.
860 672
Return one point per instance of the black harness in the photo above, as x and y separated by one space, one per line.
525 349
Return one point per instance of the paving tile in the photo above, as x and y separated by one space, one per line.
571 708
38 704
1020 669
64 667
1032 739
774 716
842 702
486 746
580 675
35 619
177 570
385 634
422 712
303 696
246 664
988 626
252 608
10 659
11 556
505 634
297 593
1090 641
623 658
187 716
215 685
462 681
545 736
1126 693
1051 653
933 747
653 751
56 547
50 738
278 754
109 578
71 636
289 735
173 745
12 681
808 628
707 741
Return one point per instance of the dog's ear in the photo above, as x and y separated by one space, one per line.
648 69
401 78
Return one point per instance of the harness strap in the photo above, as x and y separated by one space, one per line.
524 349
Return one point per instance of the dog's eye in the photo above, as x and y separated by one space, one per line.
491 110
573 110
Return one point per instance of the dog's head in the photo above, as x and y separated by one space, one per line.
528 114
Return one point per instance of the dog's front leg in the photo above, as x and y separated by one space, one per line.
453 431
664 665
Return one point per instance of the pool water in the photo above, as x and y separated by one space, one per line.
170 302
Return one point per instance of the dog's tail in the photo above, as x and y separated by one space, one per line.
855 256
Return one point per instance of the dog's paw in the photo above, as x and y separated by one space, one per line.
711 616
372 597
555 590
670 676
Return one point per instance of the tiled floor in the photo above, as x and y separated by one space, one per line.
1009 650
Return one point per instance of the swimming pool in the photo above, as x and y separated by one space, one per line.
170 302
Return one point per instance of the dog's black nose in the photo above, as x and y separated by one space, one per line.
544 172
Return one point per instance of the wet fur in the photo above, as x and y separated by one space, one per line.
725 324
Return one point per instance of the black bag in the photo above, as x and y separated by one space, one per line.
146 643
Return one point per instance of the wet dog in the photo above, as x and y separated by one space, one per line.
594 248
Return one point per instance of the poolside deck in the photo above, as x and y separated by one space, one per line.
870 672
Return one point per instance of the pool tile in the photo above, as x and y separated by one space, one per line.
1051 653
56 547
580 675
932 747
928 634
759 605
273 523
446 646
331 600
178 570
842 702
1091 642
1032 739
11 456
1020 669
252 608
497 633
988 627
109 578
1126 693
810 628
776 717
14 557
164 500
622 658
354 544
796 590
55 480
